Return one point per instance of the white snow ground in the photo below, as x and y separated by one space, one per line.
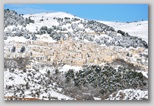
17 78
139 29
65 68
45 38
129 94
12 78
16 39
48 19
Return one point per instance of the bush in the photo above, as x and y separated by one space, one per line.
105 80
30 20
13 49
69 75
41 19
22 49
44 28
49 30
12 18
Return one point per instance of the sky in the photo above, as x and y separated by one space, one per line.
104 12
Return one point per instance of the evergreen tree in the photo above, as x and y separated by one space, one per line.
22 49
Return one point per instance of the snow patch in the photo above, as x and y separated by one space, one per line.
45 38
129 94
143 72
16 39
139 29
13 79
96 98
65 68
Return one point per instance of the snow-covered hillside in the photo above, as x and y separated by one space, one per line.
129 94
139 28
59 56
63 25
62 19
46 19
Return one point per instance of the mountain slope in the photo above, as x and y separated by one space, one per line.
63 25
138 29
59 56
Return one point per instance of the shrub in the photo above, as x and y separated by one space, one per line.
106 80
22 49
13 49
41 19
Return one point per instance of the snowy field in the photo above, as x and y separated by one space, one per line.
139 29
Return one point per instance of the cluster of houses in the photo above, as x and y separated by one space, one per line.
71 52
